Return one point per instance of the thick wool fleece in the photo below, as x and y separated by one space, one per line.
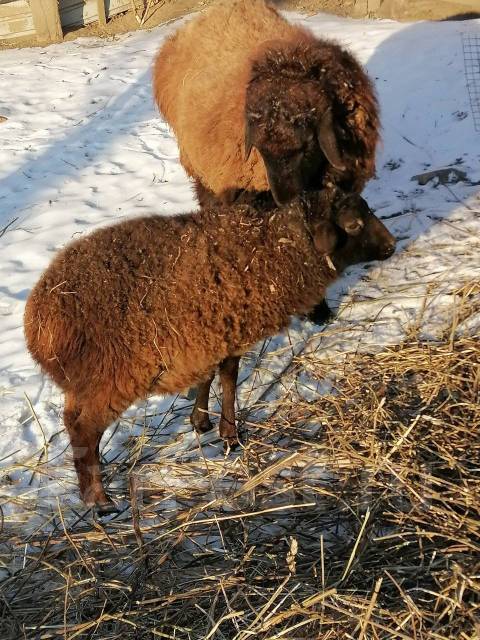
154 304
200 82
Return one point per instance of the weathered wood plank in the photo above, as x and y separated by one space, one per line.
46 19
15 20
102 14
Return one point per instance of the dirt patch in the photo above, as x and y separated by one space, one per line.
162 12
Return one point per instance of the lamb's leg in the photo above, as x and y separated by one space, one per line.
199 416
228 379
85 425
321 313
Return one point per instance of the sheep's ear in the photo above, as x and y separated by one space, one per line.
328 142
248 139
325 238
284 182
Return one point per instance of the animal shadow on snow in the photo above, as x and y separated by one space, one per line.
83 144
427 124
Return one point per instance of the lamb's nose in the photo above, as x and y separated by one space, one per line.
389 249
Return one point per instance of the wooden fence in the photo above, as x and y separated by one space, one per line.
411 9
47 18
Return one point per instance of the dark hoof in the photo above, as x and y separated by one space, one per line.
230 444
106 509
228 433
201 426
321 314
204 427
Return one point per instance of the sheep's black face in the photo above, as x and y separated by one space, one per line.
362 236
295 140
290 154
289 173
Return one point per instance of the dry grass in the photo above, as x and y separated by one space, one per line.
355 515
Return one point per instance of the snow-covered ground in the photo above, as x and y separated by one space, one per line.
83 146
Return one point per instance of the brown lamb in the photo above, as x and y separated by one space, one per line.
156 304
260 104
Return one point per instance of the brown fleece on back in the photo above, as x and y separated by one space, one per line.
154 304
200 82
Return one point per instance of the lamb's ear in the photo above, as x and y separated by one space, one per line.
248 139
325 237
349 220
327 140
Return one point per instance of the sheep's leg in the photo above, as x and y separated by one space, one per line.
199 416
228 379
85 433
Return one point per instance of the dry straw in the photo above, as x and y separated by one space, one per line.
352 515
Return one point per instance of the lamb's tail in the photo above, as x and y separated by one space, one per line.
50 339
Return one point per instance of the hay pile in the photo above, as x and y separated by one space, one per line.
355 515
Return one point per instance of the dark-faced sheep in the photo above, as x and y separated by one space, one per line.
259 104
156 304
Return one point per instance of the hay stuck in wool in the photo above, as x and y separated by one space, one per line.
353 515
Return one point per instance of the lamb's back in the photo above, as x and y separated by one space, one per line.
169 294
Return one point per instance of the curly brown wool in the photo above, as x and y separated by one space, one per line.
157 304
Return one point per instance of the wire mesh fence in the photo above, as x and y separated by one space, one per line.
471 55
